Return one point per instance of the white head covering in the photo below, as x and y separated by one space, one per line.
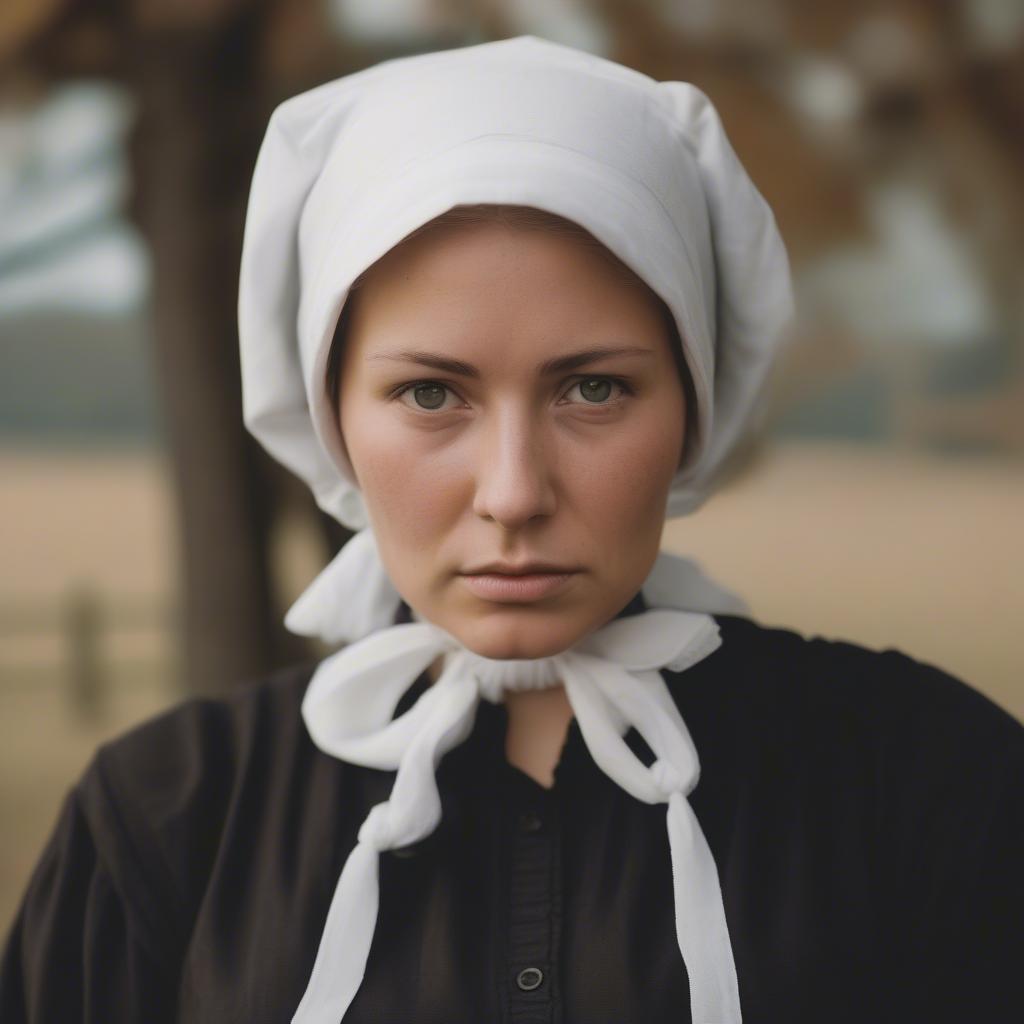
345 172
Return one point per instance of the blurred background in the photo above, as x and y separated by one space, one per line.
149 549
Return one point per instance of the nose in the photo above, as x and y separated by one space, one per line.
513 473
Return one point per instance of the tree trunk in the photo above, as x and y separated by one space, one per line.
201 117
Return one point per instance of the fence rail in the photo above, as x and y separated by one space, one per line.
85 641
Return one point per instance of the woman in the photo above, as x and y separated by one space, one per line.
504 309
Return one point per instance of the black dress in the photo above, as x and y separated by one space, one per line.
866 813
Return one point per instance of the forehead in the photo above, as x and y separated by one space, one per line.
459 282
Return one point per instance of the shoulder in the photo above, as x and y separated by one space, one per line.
843 700
881 783
817 674
160 797
201 746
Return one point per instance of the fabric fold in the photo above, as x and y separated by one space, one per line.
326 607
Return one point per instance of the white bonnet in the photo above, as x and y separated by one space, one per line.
350 168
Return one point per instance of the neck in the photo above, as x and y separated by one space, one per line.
538 721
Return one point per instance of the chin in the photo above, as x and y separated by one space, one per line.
506 633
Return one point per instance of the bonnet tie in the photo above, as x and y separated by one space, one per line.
612 682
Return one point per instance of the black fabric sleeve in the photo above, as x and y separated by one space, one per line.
955 818
77 951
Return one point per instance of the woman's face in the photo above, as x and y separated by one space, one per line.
508 395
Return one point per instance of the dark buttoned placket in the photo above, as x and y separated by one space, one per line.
533 912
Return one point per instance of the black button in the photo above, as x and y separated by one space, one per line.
530 978
529 822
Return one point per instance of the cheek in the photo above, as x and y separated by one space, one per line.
399 485
626 481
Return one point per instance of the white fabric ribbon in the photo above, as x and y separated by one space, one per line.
612 682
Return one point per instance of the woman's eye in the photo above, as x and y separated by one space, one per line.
428 396
598 390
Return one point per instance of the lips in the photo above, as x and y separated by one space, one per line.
519 569
516 588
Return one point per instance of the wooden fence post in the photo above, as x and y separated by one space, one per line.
83 621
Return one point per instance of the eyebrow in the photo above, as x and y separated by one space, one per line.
557 365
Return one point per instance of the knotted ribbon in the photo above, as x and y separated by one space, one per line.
612 682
